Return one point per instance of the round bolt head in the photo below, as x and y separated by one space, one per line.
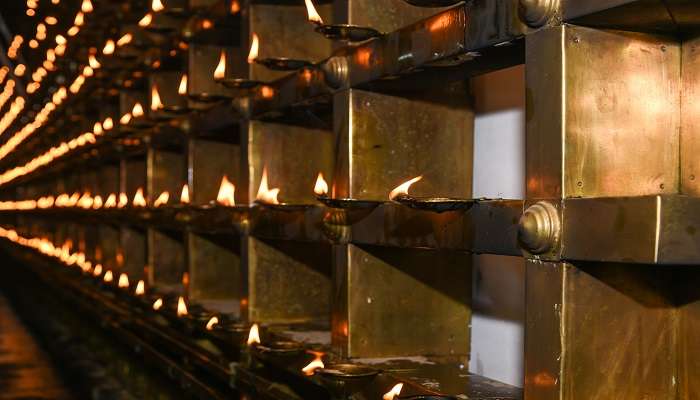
539 228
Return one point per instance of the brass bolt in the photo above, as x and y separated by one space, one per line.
335 72
539 227
537 13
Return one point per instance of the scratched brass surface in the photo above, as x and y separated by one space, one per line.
214 268
400 303
598 103
384 140
599 331
384 16
690 116
208 162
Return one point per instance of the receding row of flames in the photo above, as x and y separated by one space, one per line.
69 258
225 196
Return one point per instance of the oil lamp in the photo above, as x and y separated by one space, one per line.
343 32
435 204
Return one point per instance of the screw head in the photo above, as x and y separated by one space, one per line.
335 71
539 228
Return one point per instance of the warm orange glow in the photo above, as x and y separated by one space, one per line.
20 69
395 391
254 49
317 363
111 201
185 194
146 20
158 304
253 335
181 307
92 60
220 71
182 89
123 281
124 40
156 104
402 189
60 39
207 24
312 13
86 7
265 194
79 19
139 199
235 7
267 92
125 119
73 31
109 47
321 187
137 111
157 5
162 199
97 202
226 193
212 322
98 270
123 200
108 276
140 288
108 124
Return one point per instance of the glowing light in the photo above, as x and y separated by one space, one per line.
108 276
79 19
124 40
109 47
235 7
97 271
254 49
146 20
86 7
321 187
312 14
265 194
123 200
310 368
227 190
393 393
139 199
402 189
253 335
185 194
123 281
157 5
137 111
158 304
156 104
220 71
181 307
182 89
212 322
140 288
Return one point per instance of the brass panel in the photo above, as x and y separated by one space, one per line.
295 173
592 328
272 266
689 315
690 117
166 258
385 16
133 253
109 246
300 225
166 172
215 271
389 302
109 181
202 61
385 140
208 162
133 176
594 96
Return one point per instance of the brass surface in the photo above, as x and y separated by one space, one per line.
166 258
214 269
690 129
374 14
400 303
131 255
208 162
583 118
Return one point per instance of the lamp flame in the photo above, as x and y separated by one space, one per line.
253 335
137 111
265 194
157 5
86 6
220 71
111 201
213 321
158 304
321 187
140 288
123 281
97 271
317 363
139 199
156 104
92 60
123 200
313 15
226 193
108 276
185 194
182 89
146 20
109 47
124 40
402 189
125 119
162 199
254 49
395 391
181 307
108 124
235 7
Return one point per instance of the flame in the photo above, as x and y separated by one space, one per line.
86 6
108 276
226 193
157 5
146 20
181 307
79 19
266 195
185 194
137 111
235 7
182 89
220 71
124 40
156 104
111 201
139 199
312 13
321 187
109 47
213 321
317 363
158 304
123 200
402 189
97 128
395 391
98 270
97 202
140 288
123 281
254 49
162 199
253 335
108 124
125 119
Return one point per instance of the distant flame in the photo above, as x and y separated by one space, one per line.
124 40
226 193
265 194
213 321
97 202
97 271
137 111
139 199
157 5
92 60
158 304
108 124
86 6
220 71
111 201
182 89
395 391
181 307
109 47
312 13
321 187
123 281
317 363
254 49
185 194
162 199
254 335
146 20
125 119
108 276
123 200
140 288
402 189
156 104
235 7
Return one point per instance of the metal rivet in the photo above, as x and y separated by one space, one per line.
539 228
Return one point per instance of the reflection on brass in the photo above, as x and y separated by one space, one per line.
538 12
